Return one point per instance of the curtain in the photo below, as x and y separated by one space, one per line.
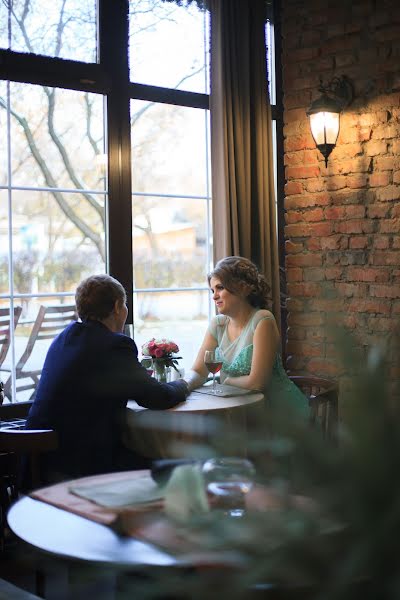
244 213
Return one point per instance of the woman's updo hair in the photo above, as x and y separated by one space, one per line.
95 297
236 274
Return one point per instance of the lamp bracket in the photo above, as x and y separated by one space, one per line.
340 89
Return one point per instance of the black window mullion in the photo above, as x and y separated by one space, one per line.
113 36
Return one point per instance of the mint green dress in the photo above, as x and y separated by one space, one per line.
238 356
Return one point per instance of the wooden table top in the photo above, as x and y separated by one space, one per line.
199 402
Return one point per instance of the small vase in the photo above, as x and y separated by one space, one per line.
162 372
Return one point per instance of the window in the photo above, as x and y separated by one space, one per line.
64 213
57 28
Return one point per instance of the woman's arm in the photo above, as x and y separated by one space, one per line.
199 373
265 347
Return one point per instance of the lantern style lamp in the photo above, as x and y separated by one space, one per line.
325 111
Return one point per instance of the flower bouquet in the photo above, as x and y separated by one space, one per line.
161 352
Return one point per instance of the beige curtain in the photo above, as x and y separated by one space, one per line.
244 213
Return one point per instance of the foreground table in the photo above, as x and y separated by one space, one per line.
204 419
67 535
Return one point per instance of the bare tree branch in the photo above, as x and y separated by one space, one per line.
50 93
51 182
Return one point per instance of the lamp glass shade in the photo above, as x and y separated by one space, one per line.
325 127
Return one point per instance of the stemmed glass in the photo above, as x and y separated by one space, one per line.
213 360
228 480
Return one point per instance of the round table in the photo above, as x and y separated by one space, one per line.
68 535
203 421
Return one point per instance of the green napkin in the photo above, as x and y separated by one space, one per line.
185 494
126 492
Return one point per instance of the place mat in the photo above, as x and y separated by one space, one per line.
124 492
224 390
61 496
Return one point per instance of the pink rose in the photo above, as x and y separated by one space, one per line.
158 353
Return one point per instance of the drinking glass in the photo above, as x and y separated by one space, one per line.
213 360
228 480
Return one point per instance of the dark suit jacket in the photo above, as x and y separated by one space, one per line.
88 376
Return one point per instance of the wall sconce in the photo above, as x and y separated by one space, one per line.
324 113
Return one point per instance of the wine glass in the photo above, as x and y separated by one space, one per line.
228 480
213 360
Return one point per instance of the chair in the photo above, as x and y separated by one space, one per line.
50 321
5 328
14 445
323 395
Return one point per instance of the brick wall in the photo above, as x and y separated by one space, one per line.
343 221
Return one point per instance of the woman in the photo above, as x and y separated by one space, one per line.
246 333
90 372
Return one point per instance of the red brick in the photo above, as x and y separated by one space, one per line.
359 242
297 99
381 242
356 181
305 157
335 242
380 324
375 147
333 273
368 306
294 216
348 151
294 275
395 211
313 215
304 289
311 274
296 114
299 142
387 194
300 347
379 211
385 291
315 185
355 226
302 172
379 179
337 183
304 260
385 132
355 165
385 163
355 211
297 230
334 212
350 290
385 258
323 367
292 248
293 187
320 229
313 244
367 274
389 226
306 319
295 304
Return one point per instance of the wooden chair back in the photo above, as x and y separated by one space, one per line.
50 321
323 396
5 327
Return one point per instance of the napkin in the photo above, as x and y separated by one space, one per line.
185 494
224 390
126 492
